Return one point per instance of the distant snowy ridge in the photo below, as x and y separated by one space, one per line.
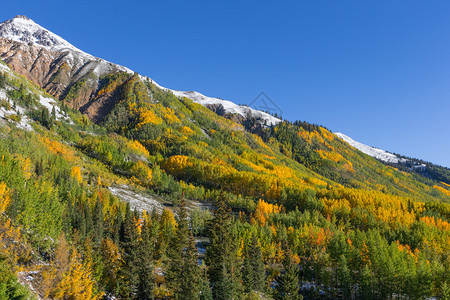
372 151
229 106
24 30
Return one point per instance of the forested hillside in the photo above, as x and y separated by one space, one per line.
295 210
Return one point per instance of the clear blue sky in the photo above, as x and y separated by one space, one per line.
378 71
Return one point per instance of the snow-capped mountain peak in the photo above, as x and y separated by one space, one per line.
371 151
24 30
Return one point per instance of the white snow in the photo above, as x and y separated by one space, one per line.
230 107
49 103
372 151
24 121
4 68
137 201
6 113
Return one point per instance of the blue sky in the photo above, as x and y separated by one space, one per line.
377 71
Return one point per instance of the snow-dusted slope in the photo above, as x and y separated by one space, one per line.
372 151
229 106
24 30
25 122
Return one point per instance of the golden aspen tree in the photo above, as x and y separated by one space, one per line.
75 173
5 199
77 283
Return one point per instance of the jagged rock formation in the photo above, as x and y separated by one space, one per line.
55 65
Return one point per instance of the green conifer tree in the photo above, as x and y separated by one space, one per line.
206 292
53 114
176 249
145 265
365 284
344 277
254 271
191 281
221 253
445 291
288 284
129 243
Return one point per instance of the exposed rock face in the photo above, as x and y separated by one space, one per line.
57 71
56 65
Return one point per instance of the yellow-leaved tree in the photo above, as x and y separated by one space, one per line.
75 173
77 282
5 200
142 172
263 210
68 277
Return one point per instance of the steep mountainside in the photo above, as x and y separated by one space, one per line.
308 208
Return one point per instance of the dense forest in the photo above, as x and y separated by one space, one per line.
283 212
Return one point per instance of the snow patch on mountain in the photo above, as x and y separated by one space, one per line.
50 103
137 201
372 151
24 30
4 68
229 106
14 113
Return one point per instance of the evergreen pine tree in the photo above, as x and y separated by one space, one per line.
145 265
98 223
445 291
45 118
178 243
53 114
129 243
344 277
254 271
247 273
206 292
2 81
221 253
191 281
365 285
288 283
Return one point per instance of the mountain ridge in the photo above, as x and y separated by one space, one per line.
73 75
